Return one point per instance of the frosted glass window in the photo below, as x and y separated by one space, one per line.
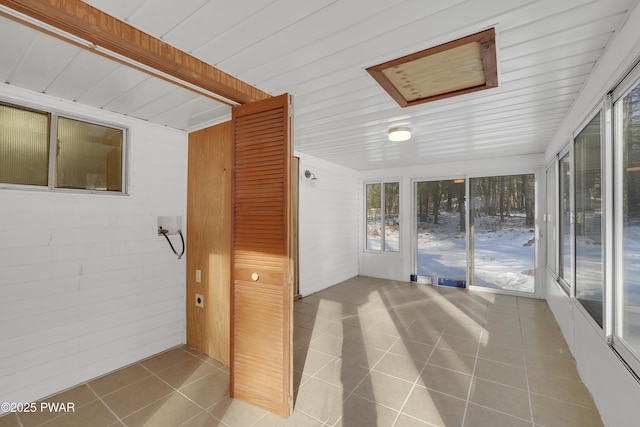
88 156
24 146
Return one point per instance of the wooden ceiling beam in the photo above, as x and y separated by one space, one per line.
94 26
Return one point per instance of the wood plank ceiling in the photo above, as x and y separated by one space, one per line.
318 51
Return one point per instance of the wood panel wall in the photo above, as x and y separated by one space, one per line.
209 240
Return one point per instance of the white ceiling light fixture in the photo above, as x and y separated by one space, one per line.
398 134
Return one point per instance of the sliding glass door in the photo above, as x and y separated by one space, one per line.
502 232
441 233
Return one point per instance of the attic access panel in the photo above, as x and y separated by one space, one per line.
454 68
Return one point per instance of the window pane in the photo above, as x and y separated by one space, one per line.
24 142
374 219
442 238
89 156
630 330
588 220
502 221
391 216
551 218
565 220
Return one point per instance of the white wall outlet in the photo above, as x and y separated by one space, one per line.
199 301
198 276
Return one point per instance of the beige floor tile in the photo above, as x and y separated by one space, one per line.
470 332
491 338
377 340
79 396
297 419
389 327
453 360
501 373
213 362
329 344
131 398
9 420
310 361
502 309
377 347
190 350
302 335
186 372
478 416
203 419
320 400
169 411
512 329
94 414
118 379
342 373
555 413
166 360
301 318
384 389
359 412
412 350
236 413
361 355
461 345
572 391
399 367
556 366
433 326
502 354
445 381
345 332
418 332
208 390
407 421
510 400
31 419
435 408
546 346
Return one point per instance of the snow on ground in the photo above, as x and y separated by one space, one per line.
503 251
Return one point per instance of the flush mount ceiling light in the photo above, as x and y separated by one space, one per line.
399 134
461 66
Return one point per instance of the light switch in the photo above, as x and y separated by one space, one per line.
198 276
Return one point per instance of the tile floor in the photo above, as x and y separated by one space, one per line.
367 352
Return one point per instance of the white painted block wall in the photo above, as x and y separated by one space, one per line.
329 224
86 285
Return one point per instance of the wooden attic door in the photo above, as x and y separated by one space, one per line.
262 295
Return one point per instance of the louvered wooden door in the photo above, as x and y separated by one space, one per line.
262 298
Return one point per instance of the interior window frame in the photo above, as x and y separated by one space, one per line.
52 171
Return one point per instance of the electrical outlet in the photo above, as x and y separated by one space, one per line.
199 301
198 276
